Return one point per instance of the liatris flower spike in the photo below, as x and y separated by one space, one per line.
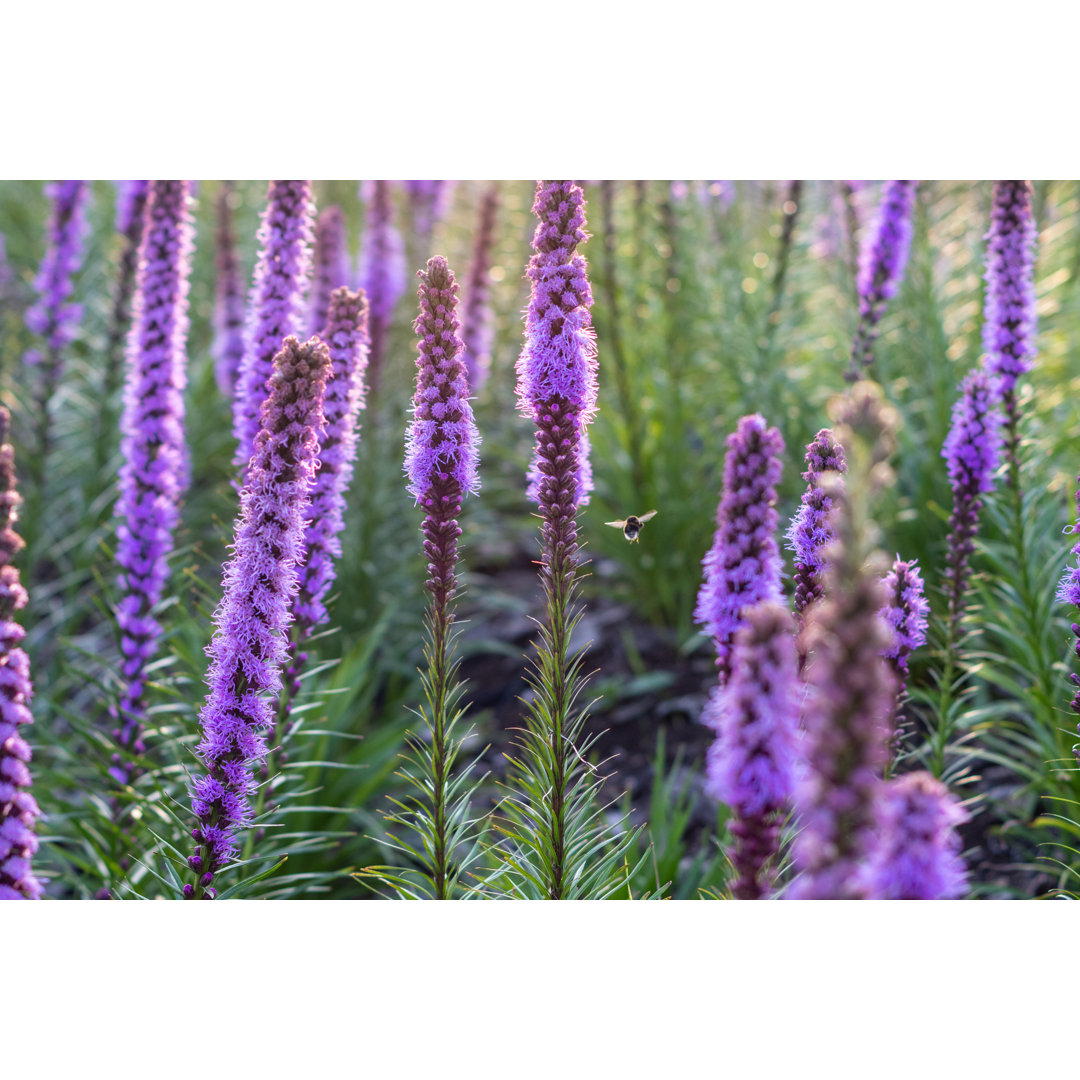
917 854
428 201
751 765
743 565
810 533
131 196
382 273
477 323
971 450
276 305
250 640
850 690
882 263
331 265
228 298
1009 319
18 810
153 473
906 610
54 317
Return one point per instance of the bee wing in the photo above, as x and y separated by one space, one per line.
616 524
647 517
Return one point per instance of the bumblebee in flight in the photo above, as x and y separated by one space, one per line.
632 525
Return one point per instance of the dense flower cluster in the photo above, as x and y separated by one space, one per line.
743 565
972 449
228 298
331 265
917 854
881 267
252 621
1009 318
152 475
18 810
345 333
477 323
556 371
751 765
810 532
382 272
276 302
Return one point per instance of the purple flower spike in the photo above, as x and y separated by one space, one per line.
751 766
153 473
428 200
382 274
810 532
441 450
1009 318
229 298
917 856
478 326
54 318
881 268
18 810
972 450
1068 592
556 371
131 196
250 642
441 446
331 265
743 565
276 302
346 335
906 611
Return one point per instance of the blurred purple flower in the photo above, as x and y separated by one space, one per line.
1068 592
153 472
882 262
743 566
751 765
228 344
250 642
331 265
131 196
382 272
276 306
556 371
809 533
478 327
972 451
428 199
917 854
18 810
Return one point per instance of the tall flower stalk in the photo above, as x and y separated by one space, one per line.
850 690
153 473
478 323
18 810
345 334
250 642
427 200
881 269
751 765
382 274
743 565
131 199
441 463
810 532
917 854
555 820
331 265
276 306
228 297
1010 319
54 318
